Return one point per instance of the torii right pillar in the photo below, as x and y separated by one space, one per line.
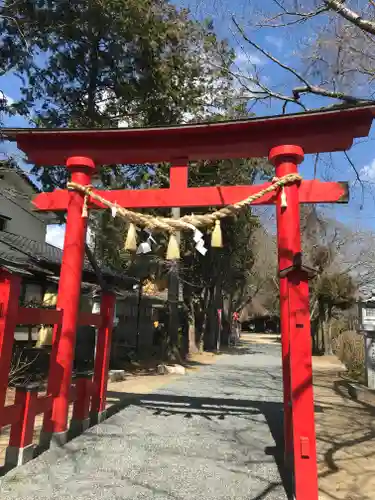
299 422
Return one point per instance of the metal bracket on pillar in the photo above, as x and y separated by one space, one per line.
311 273
82 374
298 267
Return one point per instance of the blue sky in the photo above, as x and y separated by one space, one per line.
286 45
283 44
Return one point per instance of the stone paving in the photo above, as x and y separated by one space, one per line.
214 434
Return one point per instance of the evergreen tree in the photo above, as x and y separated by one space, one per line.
96 63
110 63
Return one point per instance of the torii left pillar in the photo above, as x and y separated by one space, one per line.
64 338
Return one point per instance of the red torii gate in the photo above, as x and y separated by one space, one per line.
284 139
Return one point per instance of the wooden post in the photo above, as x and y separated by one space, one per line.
178 181
304 439
21 448
102 357
10 286
288 243
80 418
299 431
69 292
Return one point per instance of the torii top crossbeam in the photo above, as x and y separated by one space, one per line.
314 132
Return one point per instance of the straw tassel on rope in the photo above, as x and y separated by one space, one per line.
186 222
216 236
131 239
85 212
173 250
283 201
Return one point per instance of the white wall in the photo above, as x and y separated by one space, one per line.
15 202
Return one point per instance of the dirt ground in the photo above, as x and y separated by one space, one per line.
345 431
144 381
346 441
345 428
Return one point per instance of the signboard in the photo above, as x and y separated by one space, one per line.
370 359
96 310
366 313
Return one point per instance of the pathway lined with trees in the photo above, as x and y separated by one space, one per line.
143 63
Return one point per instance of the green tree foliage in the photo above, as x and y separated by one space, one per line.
221 273
110 63
97 63
105 63
337 290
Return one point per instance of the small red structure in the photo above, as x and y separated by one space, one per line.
88 393
284 140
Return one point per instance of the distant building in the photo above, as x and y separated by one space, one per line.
16 214
23 249
255 317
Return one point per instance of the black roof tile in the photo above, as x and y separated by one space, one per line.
41 257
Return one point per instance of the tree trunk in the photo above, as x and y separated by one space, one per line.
173 294
209 335
314 335
192 346
189 304
328 332
218 304
227 315
173 316
320 329
205 319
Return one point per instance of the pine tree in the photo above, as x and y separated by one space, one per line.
102 63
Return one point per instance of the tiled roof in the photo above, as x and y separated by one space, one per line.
35 256
37 250
12 166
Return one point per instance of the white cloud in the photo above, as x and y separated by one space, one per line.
5 100
276 41
55 235
8 100
367 173
245 61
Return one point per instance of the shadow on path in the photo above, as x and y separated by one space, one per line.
165 405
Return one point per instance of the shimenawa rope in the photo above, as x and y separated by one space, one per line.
187 222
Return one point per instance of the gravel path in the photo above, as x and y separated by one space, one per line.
209 435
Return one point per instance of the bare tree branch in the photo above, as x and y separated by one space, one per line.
358 178
300 17
314 89
268 54
351 16
306 88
